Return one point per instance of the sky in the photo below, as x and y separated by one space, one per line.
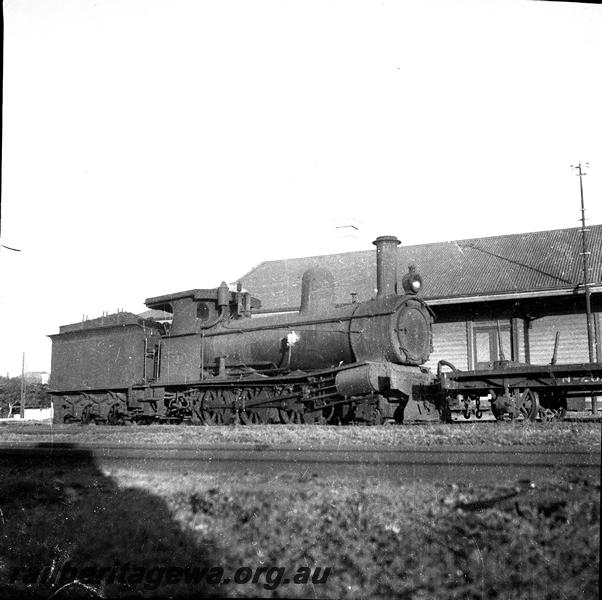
151 146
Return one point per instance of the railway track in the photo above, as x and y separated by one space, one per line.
438 464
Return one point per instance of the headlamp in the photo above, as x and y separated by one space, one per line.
411 281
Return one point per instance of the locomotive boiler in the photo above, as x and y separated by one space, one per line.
218 362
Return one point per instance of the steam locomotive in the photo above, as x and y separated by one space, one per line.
219 363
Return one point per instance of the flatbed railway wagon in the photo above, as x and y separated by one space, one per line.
519 391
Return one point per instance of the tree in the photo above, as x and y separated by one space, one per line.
10 395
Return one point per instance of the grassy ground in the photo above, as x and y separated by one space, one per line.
379 540
501 434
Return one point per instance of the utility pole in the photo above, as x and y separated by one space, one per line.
22 403
585 253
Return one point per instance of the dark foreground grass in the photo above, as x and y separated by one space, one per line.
379 540
305 436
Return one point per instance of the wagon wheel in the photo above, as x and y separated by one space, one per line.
552 408
547 415
528 404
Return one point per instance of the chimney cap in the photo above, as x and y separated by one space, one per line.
386 238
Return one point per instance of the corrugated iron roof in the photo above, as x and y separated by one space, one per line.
504 264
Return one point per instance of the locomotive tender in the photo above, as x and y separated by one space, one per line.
218 363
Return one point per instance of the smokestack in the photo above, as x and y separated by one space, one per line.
386 265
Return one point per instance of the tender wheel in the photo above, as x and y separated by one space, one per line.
86 416
114 418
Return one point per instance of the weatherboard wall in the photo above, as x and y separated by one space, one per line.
450 343
572 344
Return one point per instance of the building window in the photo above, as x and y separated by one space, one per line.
486 345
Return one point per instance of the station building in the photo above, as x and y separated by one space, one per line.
525 288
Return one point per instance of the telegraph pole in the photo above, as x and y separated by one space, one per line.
23 388
585 253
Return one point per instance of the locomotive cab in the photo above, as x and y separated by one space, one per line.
199 309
